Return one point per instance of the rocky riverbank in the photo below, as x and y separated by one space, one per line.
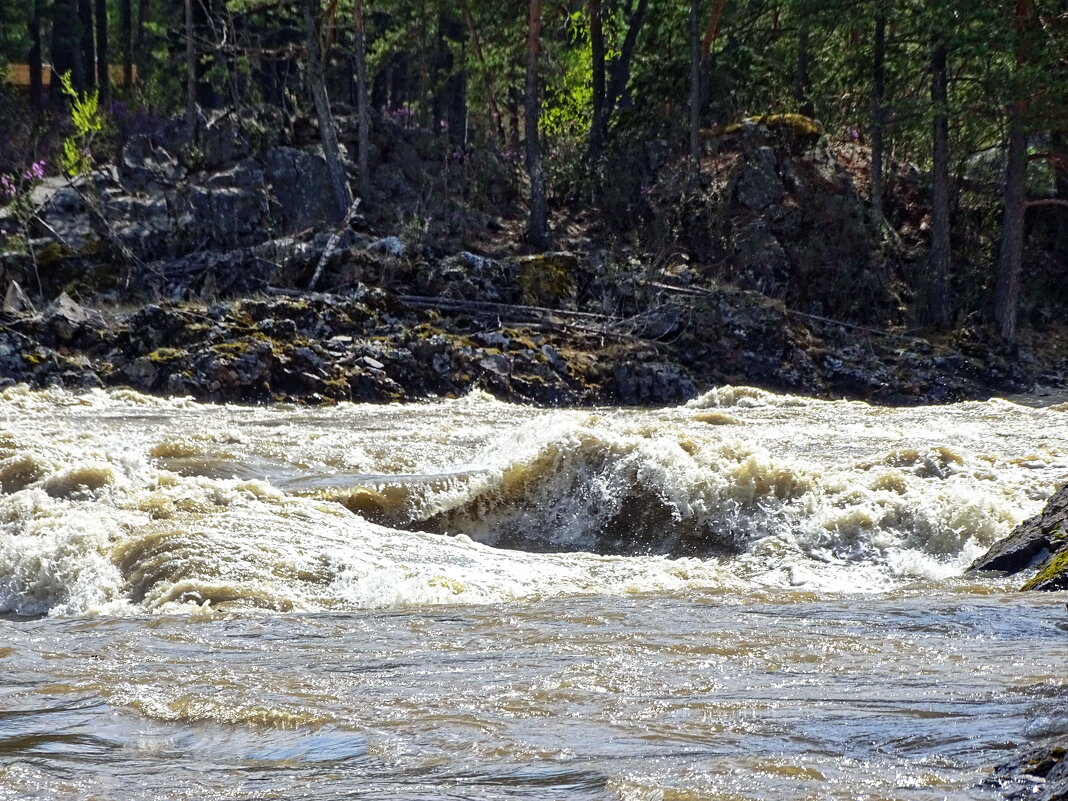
185 266
372 344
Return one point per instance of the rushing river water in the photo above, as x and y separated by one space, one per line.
752 596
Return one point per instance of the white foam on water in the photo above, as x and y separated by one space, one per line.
786 492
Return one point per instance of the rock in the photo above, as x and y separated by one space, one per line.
68 220
758 184
229 217
143 167
1036 774
66 318
301 185
653 382
760 261
548 279
496 363
1038 539
1052 574
389 245
222 141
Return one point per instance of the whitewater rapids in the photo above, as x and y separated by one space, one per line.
119 503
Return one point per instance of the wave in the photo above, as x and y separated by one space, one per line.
111 504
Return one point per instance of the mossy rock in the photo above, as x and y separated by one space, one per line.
797 126
1052 575
548 279
165 355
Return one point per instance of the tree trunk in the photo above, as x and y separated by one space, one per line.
538 230
695 88
338 181
491 95
363 136
938 288
205 30
191 73
802 79
140 50
1010 251
597 70
33 57
1059 143
103 79
126 33
620 71
85 18
66 46
451 100
878 122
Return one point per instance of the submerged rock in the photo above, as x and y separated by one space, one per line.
1040 541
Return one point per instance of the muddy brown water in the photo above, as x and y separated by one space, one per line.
753 596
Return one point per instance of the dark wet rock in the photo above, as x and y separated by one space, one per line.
653 383
1036 774
1038 541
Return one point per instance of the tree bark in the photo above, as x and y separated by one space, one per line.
802 78
191 73
491 95
33 57
598 75
126 29
695 88
103 79
938 285
338 181
363 136
538 229
1010 250
1059 143
85 18
878 121
140 50
620 71
67 45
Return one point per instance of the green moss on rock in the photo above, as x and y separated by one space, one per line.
1052 575
165 355
547 279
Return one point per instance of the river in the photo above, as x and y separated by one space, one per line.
752 596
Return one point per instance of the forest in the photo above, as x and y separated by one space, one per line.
613 118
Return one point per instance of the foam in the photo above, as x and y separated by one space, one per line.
108 504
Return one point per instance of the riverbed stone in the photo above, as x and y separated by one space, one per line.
1034 543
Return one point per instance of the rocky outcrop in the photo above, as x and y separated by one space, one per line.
775 210
1040 541
1036 774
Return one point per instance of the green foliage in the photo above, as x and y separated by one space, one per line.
87 119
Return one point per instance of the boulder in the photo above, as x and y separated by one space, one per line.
1033 541
300 184
1040 541
759 185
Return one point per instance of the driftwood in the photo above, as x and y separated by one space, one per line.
540 317
696 292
